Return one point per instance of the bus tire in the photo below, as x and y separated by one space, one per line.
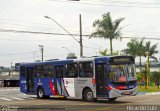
40 93
88 95
112 99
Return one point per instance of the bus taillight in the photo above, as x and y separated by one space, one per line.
93 81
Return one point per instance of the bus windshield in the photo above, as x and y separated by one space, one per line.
122 73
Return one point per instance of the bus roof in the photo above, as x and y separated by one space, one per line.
99 58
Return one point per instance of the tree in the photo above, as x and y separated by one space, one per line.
151 49
105 52
135 48
155 76
106 29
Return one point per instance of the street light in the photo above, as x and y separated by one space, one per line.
79 41
147 69
61 27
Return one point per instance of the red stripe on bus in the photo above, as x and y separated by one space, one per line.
52 88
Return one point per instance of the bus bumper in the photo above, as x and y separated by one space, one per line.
118 93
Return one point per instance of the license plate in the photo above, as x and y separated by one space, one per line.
127 93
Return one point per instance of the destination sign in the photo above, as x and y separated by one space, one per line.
125 59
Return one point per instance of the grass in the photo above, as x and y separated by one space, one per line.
150 89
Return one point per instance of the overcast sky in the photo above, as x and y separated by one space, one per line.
141 20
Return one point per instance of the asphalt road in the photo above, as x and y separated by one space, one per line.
12 100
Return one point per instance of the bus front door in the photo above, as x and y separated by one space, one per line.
101 80
30 80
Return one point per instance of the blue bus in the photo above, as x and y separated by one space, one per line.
107 77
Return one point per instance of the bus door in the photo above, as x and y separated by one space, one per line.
59 83
101 79
30 79
23 85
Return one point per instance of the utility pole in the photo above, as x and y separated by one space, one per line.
80 41
41 48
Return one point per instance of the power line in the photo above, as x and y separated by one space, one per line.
141 38
87 35
126 2
12 23
34 40
34 32
16 53
117 4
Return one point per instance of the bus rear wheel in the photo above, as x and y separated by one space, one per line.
40 93
88 95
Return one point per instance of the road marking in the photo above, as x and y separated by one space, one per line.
6 99
15 98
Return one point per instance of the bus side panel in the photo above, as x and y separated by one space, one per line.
23 85
44 83
69 87
81 83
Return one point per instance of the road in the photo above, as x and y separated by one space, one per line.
12 99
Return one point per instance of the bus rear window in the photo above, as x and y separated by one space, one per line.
22 70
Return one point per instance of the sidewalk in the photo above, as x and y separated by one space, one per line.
148 93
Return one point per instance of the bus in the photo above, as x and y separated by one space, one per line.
107 77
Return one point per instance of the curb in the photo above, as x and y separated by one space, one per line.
151 93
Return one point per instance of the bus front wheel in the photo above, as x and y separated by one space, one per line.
40 93
88 95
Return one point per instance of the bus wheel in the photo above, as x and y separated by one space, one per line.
88 95
40 93
112 99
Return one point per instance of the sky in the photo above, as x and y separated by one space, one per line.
141 20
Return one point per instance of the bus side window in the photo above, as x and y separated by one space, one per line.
71 70
39 71
22 70
59 71
48 71
86 69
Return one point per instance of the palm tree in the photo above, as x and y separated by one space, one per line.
106 29
151 49
132 48
135 48
105 52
